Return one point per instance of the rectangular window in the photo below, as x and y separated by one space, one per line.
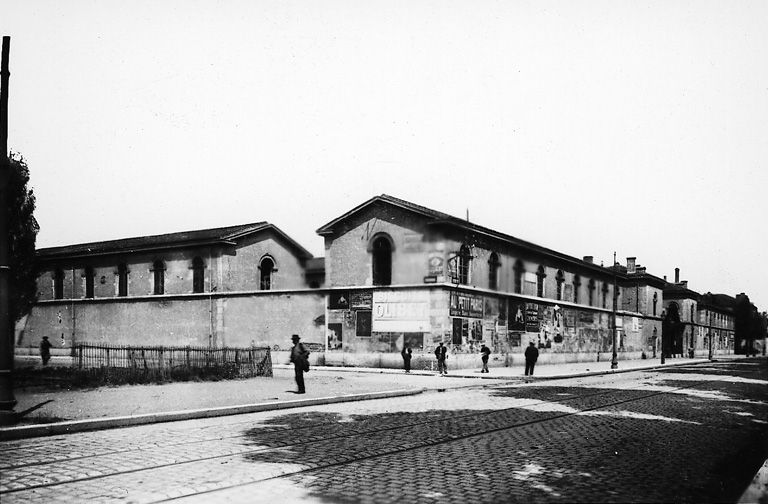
568 292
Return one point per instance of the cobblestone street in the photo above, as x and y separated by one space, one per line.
695 434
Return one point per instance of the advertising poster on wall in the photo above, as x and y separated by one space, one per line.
401 311
334 336
361 300
516 316
338 300
466 305
363 323
531 317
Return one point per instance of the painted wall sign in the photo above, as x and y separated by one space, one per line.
412 242
435 264
401 311
466 305
361 300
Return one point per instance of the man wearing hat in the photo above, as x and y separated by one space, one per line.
45 350
300 359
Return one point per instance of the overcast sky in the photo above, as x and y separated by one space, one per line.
584 126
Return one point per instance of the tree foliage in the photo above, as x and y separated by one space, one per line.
22 234
747 323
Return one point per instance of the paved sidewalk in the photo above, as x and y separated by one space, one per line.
46 412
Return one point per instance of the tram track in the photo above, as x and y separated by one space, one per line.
306 436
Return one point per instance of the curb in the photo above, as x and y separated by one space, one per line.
73 426
757 491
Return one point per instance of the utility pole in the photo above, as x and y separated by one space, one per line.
615 358
7 399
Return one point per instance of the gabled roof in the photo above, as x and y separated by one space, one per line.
436 218
215 236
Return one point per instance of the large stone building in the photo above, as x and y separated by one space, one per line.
394 273
236 286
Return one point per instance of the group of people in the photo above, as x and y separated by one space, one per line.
300 359
441 354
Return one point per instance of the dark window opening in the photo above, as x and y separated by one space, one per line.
576 285
265 273
560 278
655 300
198 275
464 263
58 284
158 268
519 269
122 280
382 261
493 271
591 287
540 276
605 295
89 275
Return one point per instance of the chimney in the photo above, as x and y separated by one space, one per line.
677 275
684 283
589 259
665 278
631 265
641 270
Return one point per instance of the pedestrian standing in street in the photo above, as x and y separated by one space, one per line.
531 356
441 352
406 353
45 350
485 352
300 359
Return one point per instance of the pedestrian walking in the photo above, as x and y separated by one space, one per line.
300 359
45 350
531 356
441 352
485 352
406 353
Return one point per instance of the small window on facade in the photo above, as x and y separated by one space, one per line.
493 271
605 295
89 275
266 269
655 300
465 259
158 268
382 261
122 280
58 284
540 276
576 285
198 275
591 288
560 278
519 270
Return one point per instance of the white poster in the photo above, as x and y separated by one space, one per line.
401 311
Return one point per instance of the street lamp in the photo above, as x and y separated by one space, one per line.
614 358
709 330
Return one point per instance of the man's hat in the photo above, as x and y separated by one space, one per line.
295 337
45 337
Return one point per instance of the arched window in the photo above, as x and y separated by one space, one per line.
122 279
58 284
266 269
493 271
576 285
198 275
591 288
89 274
560 278
519 269
382 261
540 276
465 260
158 269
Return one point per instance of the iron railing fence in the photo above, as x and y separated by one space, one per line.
141 364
